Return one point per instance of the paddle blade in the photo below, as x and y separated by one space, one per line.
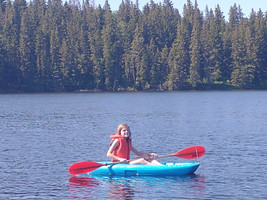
191 152
84 167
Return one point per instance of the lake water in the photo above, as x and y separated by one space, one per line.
43 134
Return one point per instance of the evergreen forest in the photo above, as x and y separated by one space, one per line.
58 46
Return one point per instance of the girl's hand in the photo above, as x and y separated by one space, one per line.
122 160
153 155
150 155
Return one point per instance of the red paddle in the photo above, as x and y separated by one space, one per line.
188 153
88 166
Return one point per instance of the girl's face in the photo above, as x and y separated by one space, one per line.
125 132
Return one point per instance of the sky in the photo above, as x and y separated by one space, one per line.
246 5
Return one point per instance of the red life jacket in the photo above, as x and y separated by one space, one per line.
123 149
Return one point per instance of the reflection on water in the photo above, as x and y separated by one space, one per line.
117 187
120 188
81 187
76 182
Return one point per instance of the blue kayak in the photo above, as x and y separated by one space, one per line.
167 169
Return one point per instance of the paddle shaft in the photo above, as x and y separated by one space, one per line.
167 155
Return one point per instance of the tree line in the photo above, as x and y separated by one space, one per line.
53 46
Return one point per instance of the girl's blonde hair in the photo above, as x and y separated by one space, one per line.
121 126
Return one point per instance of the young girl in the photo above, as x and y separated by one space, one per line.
121 147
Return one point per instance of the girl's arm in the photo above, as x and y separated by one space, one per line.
143 154
111 150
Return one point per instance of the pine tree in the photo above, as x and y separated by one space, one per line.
235 17
213 46
260 49
128 17
226 69
153 26
54 16
154 77
164 68
134 71
95 21
179 60
11 40
70 47
238 54
169 18
188 13
195 51
43 61
27 52
142 72
84 64
111 51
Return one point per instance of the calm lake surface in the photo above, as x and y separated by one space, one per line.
43 134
